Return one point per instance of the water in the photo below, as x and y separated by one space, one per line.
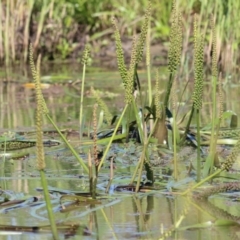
124 215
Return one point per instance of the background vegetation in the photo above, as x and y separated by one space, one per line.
60 29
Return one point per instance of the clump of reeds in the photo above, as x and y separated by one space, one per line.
131 84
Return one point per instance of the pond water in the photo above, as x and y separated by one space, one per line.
153 214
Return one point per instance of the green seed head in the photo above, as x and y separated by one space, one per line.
198 68
86 55
143 34
174 55
157 98
119 51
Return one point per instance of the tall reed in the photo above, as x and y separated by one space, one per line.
85 59
94 176
198 87
176 136
44 10
6 34
39 146
29 9
175 49
210 159
1 36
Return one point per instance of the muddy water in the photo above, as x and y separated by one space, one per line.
119 215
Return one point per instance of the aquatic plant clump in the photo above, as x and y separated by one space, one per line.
146 140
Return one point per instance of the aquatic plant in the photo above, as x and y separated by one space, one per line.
149 121
85 60
175 48
130 80
39 147
208 167
46 113
93 173
107 114
198 88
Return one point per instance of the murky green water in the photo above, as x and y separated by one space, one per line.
121 215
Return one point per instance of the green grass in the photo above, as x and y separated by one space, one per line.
54 26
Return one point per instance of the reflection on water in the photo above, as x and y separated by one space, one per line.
122 215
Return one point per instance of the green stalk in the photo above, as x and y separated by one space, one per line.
183 139
139 168
203 181
175 132
208 166
44 11
109 224
198 147
169 87
12 30
81 99
149 66
209 161
80 160
4 161
139 121
143 161
40 157
48 204
141 133
112 137
1 33
90 174
30 4
140 162
6 35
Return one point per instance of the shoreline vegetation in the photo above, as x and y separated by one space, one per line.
59 30
149 119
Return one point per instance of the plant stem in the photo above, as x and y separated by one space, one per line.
209 161
198 147
80 160
187 127
48 205
149 65
6 35
112 138
30 4
174 144
44 11
81 100
203 181
140 162
169 87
